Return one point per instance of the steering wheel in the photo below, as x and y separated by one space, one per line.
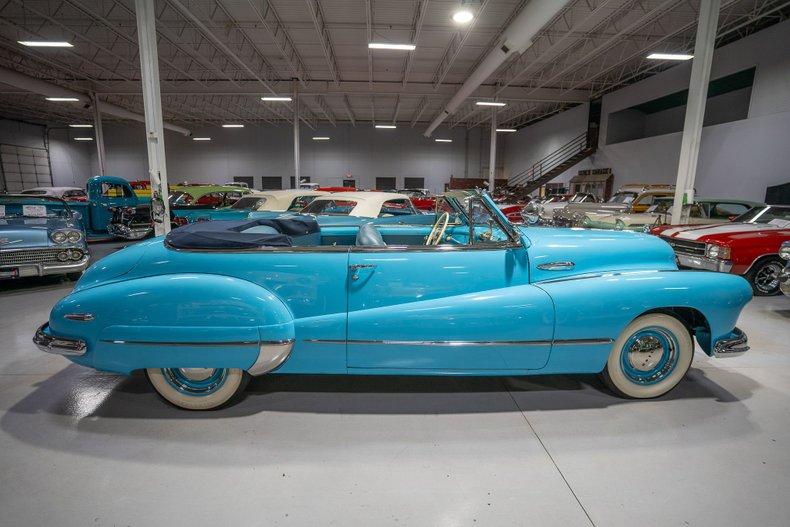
438 229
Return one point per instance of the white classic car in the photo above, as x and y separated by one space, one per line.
702 212
64 193
361 204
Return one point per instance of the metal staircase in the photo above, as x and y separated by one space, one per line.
554 164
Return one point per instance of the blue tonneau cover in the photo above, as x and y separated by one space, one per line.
244 234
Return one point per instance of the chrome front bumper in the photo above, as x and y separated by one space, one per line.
734 345
58 345
703 263
129 233
49 268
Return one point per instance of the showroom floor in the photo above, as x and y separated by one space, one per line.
80 448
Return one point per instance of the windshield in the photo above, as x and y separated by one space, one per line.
332 207
32 207
623 197
248 203
769 214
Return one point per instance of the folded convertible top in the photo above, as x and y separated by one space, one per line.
244 234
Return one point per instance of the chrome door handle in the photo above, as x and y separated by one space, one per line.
354 268
556 266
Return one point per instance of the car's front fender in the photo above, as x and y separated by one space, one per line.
186 320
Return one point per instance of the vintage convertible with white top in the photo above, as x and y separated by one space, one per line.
213 303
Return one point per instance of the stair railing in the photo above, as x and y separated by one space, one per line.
573 147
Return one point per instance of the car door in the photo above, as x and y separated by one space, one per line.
465 308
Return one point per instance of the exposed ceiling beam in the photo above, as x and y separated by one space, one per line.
314 6
419 17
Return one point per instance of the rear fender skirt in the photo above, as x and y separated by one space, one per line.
179 320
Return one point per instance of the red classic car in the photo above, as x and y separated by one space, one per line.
422 199
748 246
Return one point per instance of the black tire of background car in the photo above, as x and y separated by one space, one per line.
763 265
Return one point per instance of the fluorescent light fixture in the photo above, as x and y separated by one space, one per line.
443 140
490 103
63 99
506 130
45 44
321 138
670 56
463 16
281 99
232 126
388 126
385 45
80 126
83 138
201 139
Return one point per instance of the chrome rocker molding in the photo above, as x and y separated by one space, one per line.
568 342
58 345
271 353
733 346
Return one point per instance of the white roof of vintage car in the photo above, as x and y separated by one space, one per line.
368 204
51 191
280 200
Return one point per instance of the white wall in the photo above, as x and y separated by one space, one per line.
267 150
737 159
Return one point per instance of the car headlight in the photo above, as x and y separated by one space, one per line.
66 235
713 250
586 222
619 225
784 251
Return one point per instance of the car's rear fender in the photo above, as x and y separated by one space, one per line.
177 320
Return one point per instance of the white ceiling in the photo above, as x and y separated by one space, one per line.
217 57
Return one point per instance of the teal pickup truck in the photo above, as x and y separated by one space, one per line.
106 194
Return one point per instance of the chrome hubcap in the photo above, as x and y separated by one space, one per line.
196 374
649 355
645 353
196 381
767 278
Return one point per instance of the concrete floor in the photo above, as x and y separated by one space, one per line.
81 448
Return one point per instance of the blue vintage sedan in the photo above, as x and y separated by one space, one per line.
214 303
40 235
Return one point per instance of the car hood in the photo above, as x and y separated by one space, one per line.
701 232
22 233
594 251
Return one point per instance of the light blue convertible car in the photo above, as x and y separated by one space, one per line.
216 302
40 235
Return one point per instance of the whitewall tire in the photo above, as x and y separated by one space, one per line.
649 358
198 388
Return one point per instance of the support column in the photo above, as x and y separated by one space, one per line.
296 133
492 154
695 108
152 104
99 133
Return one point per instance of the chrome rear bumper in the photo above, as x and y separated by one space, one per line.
732 346
58 345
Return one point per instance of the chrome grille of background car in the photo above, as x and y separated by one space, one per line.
27 256
686 246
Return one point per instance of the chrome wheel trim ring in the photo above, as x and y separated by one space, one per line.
766 280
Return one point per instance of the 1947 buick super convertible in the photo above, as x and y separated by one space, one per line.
216 302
